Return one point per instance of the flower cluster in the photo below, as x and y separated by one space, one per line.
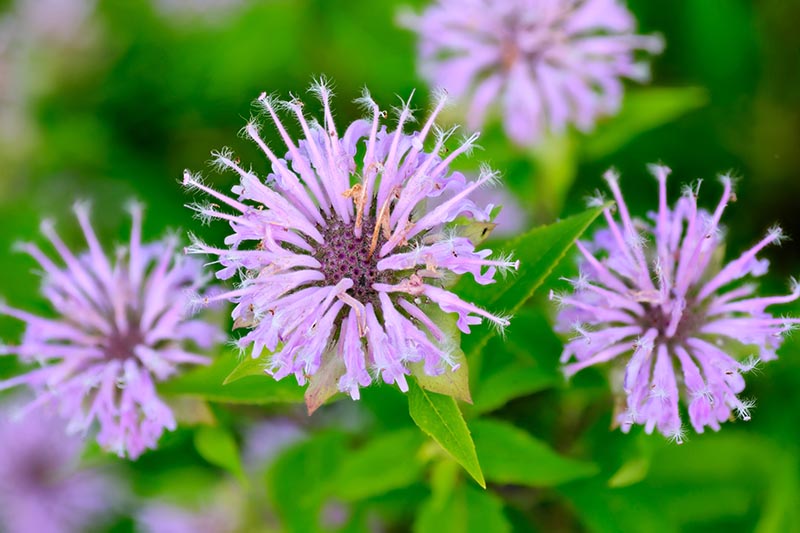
548 63
121 326
655 294
41 486
342 257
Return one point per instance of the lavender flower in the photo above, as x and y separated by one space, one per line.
669 308
266 439
55 22
121 326
160 517
42 488
548 63
343 257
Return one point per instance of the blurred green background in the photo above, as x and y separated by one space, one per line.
112 101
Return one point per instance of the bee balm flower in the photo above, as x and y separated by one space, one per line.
120 326
343 257
655 296
43 490
547 63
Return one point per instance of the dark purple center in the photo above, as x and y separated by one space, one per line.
120 344
346 256
656 318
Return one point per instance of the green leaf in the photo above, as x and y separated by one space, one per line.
523 363
510 455
183 485
642 110
512 382
389 462
466 510
247 366
781 512
556 169
602 510
439 417
453 383
732 476
444 478
299 482
538 251
217 446
208 382
631 472
637 456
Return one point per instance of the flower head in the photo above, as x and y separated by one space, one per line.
548 63
655 294
43 490
120 326
343 257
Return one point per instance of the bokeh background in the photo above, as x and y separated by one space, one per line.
111 100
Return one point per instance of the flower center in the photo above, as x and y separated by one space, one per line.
40 472
120 344
656 317
509 52
346 256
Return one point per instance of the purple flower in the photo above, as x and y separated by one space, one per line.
41 486
334 515
266 439
121 325
546 63
158 517
343 259
657 295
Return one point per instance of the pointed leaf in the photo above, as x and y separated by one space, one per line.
389 462
465 510
512 382
637 457
556 169
299 482
523 363
248 366
510 455
631 472
217 446
453 383
207 382
440 417
601 510
538 251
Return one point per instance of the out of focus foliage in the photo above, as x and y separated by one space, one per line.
113 102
